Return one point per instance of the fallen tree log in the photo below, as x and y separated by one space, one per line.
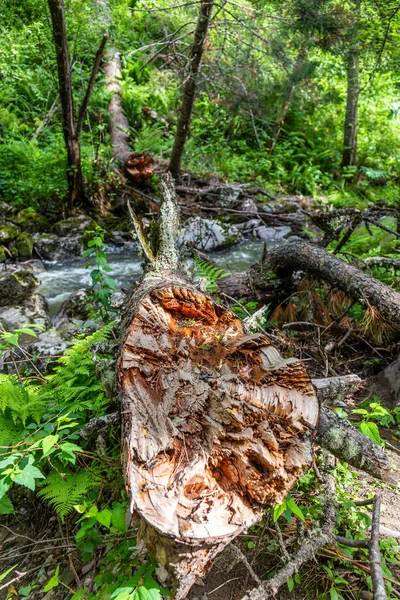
138 167
277 266
216 424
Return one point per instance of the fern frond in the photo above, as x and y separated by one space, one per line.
63 493
211 273
21 401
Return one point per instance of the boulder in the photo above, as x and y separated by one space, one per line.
389 381
79 224
16 285
34 310
8 232
32 221
49 343
24 245
3 254
6 210
51 247
75 307
273 234
223 195
209 234
249 206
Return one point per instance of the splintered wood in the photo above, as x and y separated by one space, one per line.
216 425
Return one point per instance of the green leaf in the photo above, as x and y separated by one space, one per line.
290 583
371 430
333 594
118 518
296 510
5 573
28 475
11 338
5 484
279 509
104 517
48 443
6 507
53 581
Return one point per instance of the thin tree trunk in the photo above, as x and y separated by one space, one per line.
293 81
190 86
74 168
349 157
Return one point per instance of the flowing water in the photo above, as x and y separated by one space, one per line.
60 280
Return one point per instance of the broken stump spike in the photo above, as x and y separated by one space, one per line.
148 253
169 222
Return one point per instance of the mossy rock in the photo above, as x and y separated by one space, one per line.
74 225
32 221
8 232
3 254
24 245
6 211
16 285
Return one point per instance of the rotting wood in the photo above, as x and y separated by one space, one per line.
216 424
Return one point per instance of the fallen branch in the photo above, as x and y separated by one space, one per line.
375 555
335 389
318 539
350 445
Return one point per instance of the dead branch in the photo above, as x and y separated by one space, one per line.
374 553
350 445
318 538
90 86
335 389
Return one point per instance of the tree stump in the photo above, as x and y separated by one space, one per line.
216 424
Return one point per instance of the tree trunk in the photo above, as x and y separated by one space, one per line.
294 78
349 157
74 168
216 424
279 264
137 167
189 89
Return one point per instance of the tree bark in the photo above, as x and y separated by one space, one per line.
349 157
216 424
189 89
137 167
350 445
279 264
74 168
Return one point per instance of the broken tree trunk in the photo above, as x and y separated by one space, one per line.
137 167
216 424
280 263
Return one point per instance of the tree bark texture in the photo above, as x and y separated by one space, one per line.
349 157
74 169
190 85
216 424
137 167
350 445
297 255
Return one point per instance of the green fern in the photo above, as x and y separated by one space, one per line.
74 382
211 273
22 402
63 493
